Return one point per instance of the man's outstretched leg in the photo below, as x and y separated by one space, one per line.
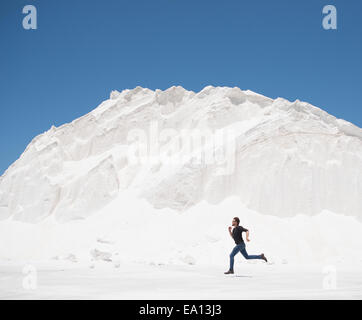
249 257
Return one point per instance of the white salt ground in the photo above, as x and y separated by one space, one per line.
140 281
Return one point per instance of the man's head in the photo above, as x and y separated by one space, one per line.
235 222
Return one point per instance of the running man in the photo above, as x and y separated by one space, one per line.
236 234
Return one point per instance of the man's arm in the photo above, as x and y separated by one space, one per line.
230 232
247 234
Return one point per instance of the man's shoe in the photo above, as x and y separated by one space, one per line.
229 272
263 257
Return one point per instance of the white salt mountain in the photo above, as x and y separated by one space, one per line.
290 158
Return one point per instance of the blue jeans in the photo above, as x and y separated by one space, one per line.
241 247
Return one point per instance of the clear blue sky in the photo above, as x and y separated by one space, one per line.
84 49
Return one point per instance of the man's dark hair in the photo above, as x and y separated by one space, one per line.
237 220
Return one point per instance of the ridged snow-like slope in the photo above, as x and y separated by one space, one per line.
287 157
